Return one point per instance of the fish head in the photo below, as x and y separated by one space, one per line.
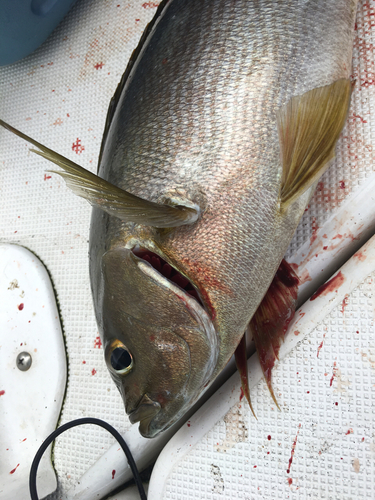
160 344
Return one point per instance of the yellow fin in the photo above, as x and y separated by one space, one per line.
309 126
110 198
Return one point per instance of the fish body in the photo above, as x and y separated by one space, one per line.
223 116
196 121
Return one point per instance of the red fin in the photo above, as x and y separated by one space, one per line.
271 320
241 363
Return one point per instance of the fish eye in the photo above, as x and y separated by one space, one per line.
119 358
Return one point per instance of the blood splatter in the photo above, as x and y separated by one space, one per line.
77 147
150 5
188 424
269 437
293 450
349 431
342 184
46 177
314 228
93 372
360 256
333 374
332 285
320 346
99 65
345 302
14 470
360 117
21 306
290 481
23 440
97 343
2 393
113 473
83 362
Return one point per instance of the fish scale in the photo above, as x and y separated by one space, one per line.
213 145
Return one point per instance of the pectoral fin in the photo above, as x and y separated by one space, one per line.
271 319
110 198
309 126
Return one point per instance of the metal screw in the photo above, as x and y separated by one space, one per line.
24 361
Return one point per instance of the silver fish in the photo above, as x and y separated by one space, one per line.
228 113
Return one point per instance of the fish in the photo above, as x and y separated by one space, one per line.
225 118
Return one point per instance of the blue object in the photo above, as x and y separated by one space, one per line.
25 24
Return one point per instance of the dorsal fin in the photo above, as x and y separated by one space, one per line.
120 87
271 319
309 126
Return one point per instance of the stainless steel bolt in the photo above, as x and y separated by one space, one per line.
24 361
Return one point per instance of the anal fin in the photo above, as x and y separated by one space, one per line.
271 320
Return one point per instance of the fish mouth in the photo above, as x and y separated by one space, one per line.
168 271
146 410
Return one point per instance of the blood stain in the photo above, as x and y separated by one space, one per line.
269 437
314 228
46 177
290 481
342 184
2 393
83 362
99 65
345 302
93 371
150 5
21 306
320 346
97 343
14 470
113 473
333 374
330 286
349 431
293 450
360 256
77 147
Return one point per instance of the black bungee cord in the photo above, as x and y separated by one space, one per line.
74 423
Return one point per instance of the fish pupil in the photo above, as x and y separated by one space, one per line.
120 359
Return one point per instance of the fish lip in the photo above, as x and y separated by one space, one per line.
145 411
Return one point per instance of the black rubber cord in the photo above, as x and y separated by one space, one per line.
74 423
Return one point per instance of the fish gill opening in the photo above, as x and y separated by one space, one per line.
168 271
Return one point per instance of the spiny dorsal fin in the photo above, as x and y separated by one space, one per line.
309 126
241 363
110 198
271 319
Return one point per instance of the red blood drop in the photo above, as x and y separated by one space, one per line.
21 306
269 438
